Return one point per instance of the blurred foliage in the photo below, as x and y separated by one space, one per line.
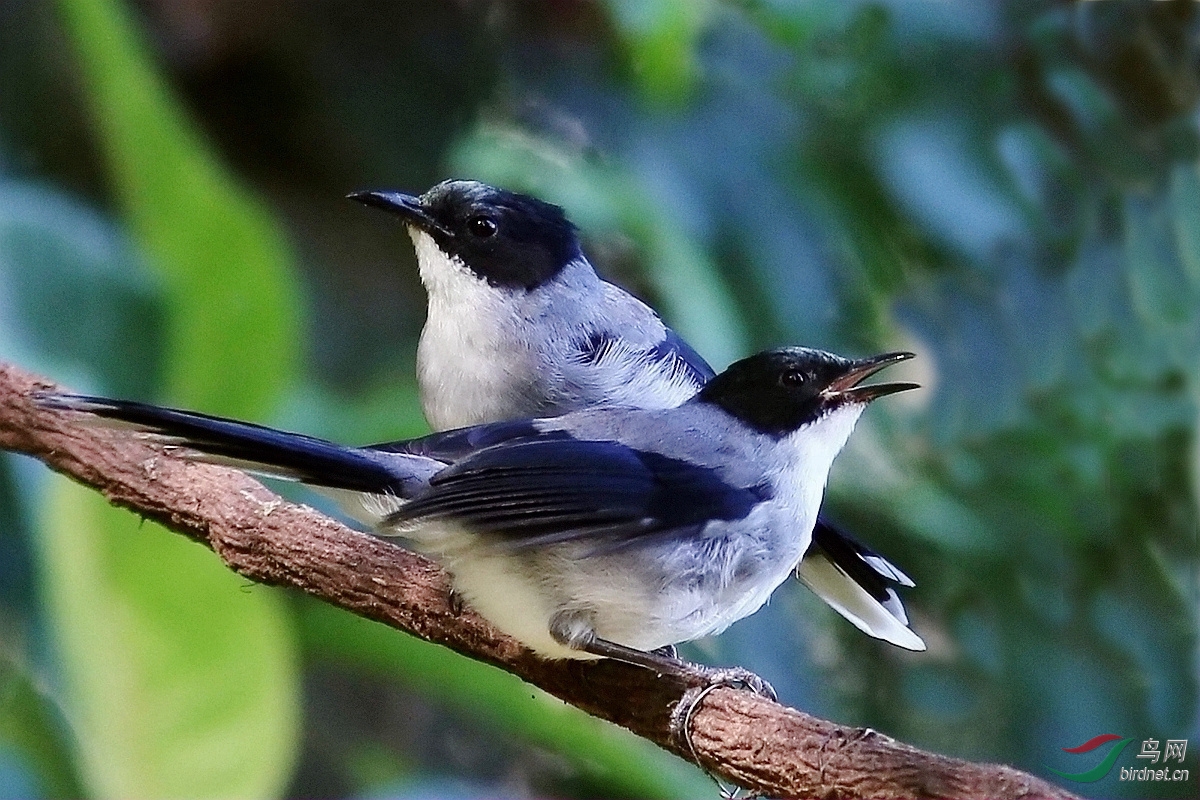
176 681
1012 189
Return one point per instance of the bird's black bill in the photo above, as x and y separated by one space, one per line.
405 206
845 387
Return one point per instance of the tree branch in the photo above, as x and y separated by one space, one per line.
744 738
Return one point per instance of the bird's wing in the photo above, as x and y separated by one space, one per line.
453 445
674 348
539 492
672 357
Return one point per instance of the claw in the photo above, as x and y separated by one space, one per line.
685 709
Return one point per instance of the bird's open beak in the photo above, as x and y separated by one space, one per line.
846 389
405 206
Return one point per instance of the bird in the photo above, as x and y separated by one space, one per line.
609 532
520 325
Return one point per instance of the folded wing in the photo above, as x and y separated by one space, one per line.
533 493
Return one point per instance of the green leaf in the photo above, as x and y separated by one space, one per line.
662 37
623 764
1158 286
180 681
1185 207
57 253
171 659
31 725
233 297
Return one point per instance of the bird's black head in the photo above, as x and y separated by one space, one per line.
508 239
778 391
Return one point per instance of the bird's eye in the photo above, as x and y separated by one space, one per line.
481 227
792 378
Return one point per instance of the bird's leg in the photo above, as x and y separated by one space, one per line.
573 630
669 651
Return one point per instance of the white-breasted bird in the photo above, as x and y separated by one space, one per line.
607 532
520 325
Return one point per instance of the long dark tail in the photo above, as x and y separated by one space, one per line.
256 448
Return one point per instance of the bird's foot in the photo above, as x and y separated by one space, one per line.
737 678
715 678
685 709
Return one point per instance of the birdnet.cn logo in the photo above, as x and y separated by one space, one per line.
1160 760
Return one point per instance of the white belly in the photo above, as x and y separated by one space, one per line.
640 597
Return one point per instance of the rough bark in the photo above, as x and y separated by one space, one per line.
743 738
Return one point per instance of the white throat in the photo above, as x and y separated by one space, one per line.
812 449
467 369
441 274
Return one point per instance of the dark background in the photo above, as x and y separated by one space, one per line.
1010 189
